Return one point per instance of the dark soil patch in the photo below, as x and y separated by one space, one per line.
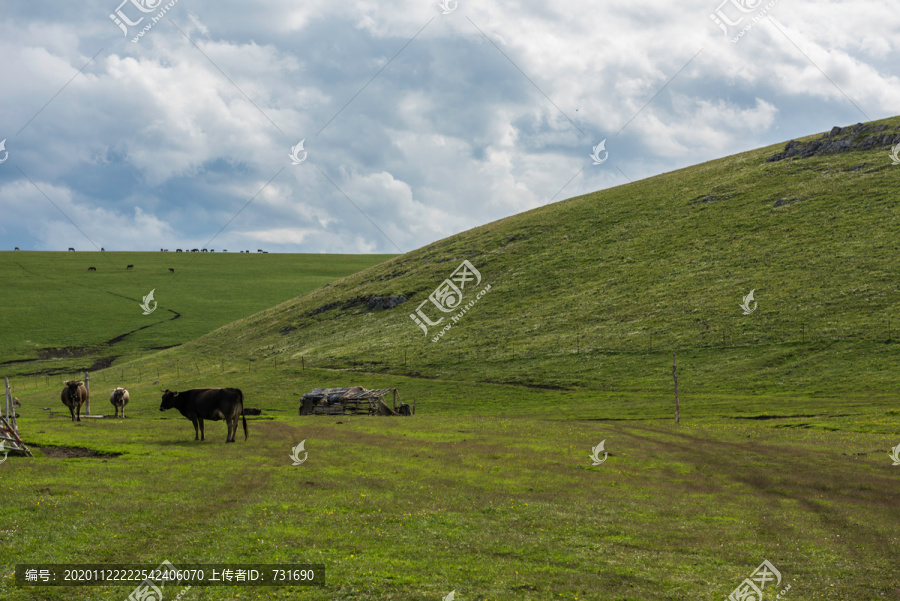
65 352
103 363
70 452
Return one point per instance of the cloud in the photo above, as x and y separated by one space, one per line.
431 124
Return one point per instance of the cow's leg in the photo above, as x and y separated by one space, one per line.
231 428
79 414
117 410
202 436
194 421
72 412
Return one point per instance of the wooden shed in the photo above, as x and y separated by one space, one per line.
353 400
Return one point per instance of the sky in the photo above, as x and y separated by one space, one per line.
380 127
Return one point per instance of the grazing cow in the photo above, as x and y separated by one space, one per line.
172 269
102 249
129 266
195 250
214 404
17 248
92 269
178 250
71 250
73 396
119 398
259 250
224 250
16 401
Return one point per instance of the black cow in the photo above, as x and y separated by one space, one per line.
17 248
92 269
178 250
214 404
172 269
129 266
71 250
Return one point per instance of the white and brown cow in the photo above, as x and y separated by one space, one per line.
119 398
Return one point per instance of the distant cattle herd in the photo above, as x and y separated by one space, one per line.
193 250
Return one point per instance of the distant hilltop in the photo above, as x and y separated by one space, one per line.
861 136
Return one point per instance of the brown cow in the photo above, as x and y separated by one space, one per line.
119 398
73 396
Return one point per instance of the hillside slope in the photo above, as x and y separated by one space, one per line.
597 291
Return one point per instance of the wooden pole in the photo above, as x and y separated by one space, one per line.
8 401
675 376
87 385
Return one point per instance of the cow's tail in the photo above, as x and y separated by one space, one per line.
243 417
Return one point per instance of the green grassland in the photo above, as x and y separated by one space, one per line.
486 491
788 414
57 316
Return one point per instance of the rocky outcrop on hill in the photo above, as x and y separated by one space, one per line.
861 136
372 303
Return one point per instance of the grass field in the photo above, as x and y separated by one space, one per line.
787 414
487 491
58 317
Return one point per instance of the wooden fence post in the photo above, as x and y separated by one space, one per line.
87 385
675 376
8 403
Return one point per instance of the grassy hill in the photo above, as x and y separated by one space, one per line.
57 316
596 292
788 414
